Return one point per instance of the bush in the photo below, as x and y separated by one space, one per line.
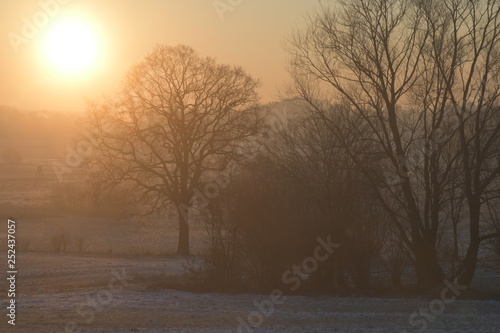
71 197
268 220
223 262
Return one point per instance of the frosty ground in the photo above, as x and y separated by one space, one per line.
64 292
103 293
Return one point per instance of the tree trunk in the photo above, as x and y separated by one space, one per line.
470 260
183 242
429 272
470 263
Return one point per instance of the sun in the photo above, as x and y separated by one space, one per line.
71 47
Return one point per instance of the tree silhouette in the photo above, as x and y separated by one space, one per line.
179 118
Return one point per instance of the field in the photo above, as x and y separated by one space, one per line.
91 274
60 290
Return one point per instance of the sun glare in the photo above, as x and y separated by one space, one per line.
71 48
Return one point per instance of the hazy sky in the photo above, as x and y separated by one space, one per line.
250 35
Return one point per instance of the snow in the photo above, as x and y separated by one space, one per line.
59 289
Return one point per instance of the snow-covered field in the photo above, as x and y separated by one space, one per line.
102 293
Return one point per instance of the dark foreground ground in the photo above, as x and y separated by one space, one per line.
96 293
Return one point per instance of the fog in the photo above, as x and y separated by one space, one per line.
237 166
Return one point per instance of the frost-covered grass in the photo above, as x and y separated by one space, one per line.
80 287
57 289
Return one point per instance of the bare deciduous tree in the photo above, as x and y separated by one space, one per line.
368 54
465 51
423 76
179 118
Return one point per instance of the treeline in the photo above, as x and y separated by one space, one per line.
304 184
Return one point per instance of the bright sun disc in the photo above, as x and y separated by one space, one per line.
71 47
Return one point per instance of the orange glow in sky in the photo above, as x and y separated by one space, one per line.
57 53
